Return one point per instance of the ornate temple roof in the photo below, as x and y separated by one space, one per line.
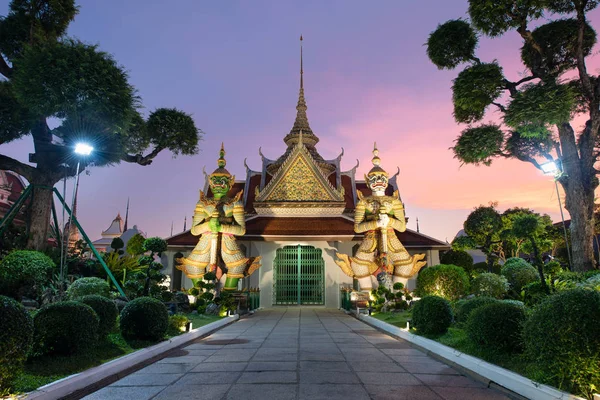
115 229
11 187
301 128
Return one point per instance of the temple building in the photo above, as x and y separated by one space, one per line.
299 211
11 187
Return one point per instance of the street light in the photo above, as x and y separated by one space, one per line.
82 149
550 168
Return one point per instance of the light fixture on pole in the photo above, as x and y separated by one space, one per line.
81 149
550 168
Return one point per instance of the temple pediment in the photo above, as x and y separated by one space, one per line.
299 180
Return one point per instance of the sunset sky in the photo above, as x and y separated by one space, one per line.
234 66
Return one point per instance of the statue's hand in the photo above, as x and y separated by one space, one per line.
383 221
386 208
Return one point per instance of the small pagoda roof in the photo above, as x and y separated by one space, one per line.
115 228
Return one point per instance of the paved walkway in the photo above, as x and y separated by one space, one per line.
297 353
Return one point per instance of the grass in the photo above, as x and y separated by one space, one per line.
457 339
43 370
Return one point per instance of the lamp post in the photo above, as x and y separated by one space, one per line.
550 168
83 150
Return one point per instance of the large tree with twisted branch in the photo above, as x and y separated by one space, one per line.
47 75
539 108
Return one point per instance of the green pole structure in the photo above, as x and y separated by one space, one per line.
58 233
89 242
14 209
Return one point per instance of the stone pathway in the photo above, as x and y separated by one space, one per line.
297 353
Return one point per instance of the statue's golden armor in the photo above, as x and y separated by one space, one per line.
378 216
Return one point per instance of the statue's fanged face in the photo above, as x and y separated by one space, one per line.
377 182
220 185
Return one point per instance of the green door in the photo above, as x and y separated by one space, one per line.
298 276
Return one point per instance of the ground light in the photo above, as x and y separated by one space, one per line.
550 168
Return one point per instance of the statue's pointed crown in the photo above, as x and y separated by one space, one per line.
221 171
376 163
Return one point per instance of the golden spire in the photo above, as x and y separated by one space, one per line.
221 161
376 162
301 122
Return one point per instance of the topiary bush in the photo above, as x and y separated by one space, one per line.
432 315
106 310
15 339
497 325
65 327
144 318
23 273
460 258
488 284
519 273
533 293
88 286
447 281
562 337
464 308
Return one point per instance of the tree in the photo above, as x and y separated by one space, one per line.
46 74
534 228
483 226
135 244
117 244
536 109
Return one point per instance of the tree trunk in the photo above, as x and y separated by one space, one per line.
579 183
40 210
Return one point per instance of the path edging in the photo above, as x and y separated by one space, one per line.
89 377
501 376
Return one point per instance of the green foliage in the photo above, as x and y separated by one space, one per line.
452 43
144 318
432 315
106 310
562 337
478 145
552 269
569 6
121 265
177 324
169 128
464 308
489 284
538 105
558 42
497 326
519 273
459 258
155 245
44 79
135 245
87 286
398 286
475 88
34 21
16 118
533 293
65 327
447 281
137 281
15 339
483 225
494 18
463 243
23 273
117 244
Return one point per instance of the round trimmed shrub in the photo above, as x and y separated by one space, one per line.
106 310
88 286
497 325
459 258
447 281
15 339
464 308
533 293
144 318
519 273
432 315
23 272
562 337
65 327
177 324
488 284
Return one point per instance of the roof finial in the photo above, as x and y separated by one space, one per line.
301 122
126 216
418 225
301 68
376 160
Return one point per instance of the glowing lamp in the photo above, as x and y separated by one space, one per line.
549 167
83 149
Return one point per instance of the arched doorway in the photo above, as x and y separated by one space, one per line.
298 276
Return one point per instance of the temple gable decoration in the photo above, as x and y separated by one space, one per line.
299 180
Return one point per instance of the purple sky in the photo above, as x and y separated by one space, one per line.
235 66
